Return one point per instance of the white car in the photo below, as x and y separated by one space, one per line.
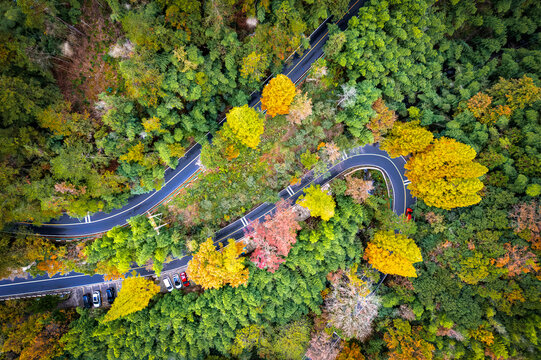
96 299
167 283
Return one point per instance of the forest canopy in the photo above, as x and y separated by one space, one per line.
99 97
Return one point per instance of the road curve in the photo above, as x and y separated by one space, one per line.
368 156
68 228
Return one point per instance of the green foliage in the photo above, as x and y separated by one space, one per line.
137 243
192 324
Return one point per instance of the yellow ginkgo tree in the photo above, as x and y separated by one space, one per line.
405 138
244 125
135 295
445 174
318 202
393 253
213 268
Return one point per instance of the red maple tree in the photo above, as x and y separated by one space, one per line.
273 238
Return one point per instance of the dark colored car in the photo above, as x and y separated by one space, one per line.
408 213
87 303
184 279
110 295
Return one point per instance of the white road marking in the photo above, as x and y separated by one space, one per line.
290 191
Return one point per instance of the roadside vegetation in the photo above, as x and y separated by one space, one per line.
453 86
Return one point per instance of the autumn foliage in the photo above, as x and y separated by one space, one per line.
517 260
318 202
512 94
322 347
480 107
445 175
382 121
300 109
406 138
213 269
273 238
351 351
527 222
393 254
245 125
278 95
359 189
134 296
406 342
32 336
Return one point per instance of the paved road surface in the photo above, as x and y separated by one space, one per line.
72 228
188 168
368 156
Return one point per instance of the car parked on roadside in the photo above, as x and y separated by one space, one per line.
184 279
96 298
110 295
176 281
167 283
87 304
409 212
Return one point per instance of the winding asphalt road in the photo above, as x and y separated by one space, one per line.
368 156
67 228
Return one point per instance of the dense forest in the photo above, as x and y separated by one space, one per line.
99 97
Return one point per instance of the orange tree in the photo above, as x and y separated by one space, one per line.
393 253
444 174
278 95
212 268
351 351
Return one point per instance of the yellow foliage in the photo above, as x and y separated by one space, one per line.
318 202
393 254
245 125
152 124
212 269
482 334
253 65
135 295
135 153
445 176
278 95
405 138
176 150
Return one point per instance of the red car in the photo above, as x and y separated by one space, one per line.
184 279
408 213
